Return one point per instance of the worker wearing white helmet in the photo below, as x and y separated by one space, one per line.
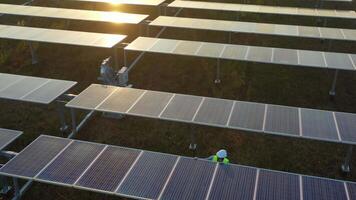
220 156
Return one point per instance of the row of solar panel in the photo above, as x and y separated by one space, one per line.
150 175
256 28
294 57
89 39
32 89
7 136
264 9
62 13
274 119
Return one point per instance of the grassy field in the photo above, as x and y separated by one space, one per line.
248 82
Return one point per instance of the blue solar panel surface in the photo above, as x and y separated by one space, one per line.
233 182
149 175
323 189
108 170
71 163
190 180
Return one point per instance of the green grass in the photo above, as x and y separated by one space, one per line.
248 82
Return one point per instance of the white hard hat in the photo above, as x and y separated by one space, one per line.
222 153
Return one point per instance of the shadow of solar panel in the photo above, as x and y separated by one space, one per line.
121 100
311 58
7 80
282 119
347 126
318 124
108 170
152 103
22 87
190 180
27 165
49 92
7 136
338 61
247 116
148 176
285 56
351 187
323 189
233 182
71 163
260 54
277 186
214 111
182 107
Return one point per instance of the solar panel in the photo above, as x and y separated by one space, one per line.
89 39
249 116
295 57
264 9
214 111
73 14
346 125
129 2
317 188
149 175
151 103
109 169
34 157
71 163
318 124
139 174
233 182
351 187
32 89
282 119
254 28
277 186
190 180
7 136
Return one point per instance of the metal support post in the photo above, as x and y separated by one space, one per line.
116 58
147 30
332 92
33 54
5 185
74 121
64 126
345 167
230 37
125 58
17 194
193 144
217 79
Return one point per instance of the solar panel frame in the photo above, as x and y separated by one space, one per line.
72 14
128 2
8 136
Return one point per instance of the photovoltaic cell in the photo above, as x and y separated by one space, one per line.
277 186
91 97
182 107
311 58
151 104
121 100
260 54
187 48
71 163
164 46
351 187
338 61
108 170
148 176
308 31
34 157
347 126
214 111
282 119
248 116
285 56
190 180
234 52
323 189
7 80
7 136
22 87
318 124
233 182
210 50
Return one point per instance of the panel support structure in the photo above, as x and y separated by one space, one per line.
345 167
217 79
5 185
33 53
332 92
60 108
17 194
